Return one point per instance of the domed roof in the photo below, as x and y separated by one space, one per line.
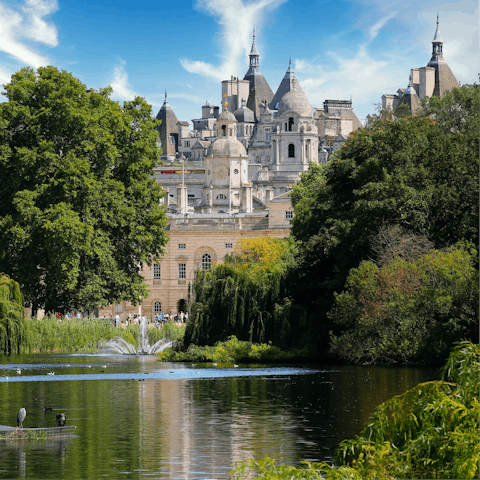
244 114
226 147
295 101
226 116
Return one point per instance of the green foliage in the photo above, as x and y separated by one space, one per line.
418 173
231 351
247 297
12 316
407 311
268 469
431 431
79 209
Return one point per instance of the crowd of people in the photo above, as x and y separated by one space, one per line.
159 319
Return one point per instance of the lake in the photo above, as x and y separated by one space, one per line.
138 418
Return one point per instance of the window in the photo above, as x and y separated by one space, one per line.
290 124
157 307
206 261
221 197
235 171
187 144
291 150
182 270
288 215
182 246
171 139
156 271
224 130
229 245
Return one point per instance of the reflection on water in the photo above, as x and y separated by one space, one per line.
145 419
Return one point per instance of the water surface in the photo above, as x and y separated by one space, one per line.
137 418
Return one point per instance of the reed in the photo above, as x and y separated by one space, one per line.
72 336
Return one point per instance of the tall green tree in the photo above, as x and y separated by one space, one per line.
79 209
12 316
246 296
420 173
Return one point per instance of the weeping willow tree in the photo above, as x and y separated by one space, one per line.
247 296
12 316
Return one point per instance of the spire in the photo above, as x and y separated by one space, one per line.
259 88
290 65
410 89
437 47
437 38
165 102
254 55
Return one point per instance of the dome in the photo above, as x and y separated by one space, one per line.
295 101
226 147
244 114
226 116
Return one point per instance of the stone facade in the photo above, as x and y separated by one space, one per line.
231 176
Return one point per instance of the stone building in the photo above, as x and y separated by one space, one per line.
435 78
230 177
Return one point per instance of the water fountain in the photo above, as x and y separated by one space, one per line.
119 345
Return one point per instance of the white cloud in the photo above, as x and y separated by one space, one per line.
121 87
237 20
373 30
27 23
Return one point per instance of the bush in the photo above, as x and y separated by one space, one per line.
233 350
407 311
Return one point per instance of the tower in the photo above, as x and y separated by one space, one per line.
168 130
444 78
260 90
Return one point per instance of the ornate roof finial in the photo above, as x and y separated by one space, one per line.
165 93
225 103
254 51
437 38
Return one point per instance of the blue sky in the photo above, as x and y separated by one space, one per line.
339 48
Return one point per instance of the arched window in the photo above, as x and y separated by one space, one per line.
157 307
206 261
224 130
290 124
291 150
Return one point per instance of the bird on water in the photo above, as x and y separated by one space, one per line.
22 413
60 419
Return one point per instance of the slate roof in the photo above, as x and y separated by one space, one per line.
259 91
444 79
286 85
259 88
168 128
411 99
